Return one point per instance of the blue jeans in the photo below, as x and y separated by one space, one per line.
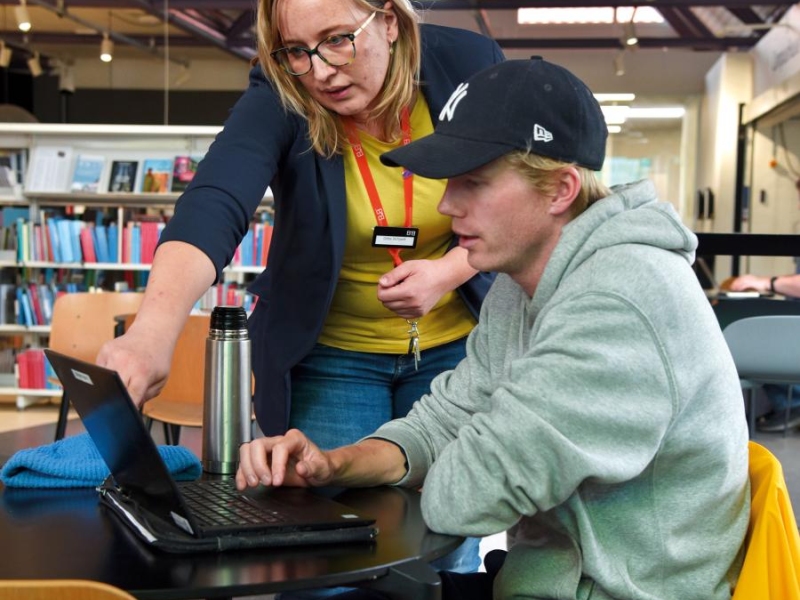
341 396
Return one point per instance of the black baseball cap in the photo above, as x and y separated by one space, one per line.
531 105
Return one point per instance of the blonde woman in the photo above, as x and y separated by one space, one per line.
367 295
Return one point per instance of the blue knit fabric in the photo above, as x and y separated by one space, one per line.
75 462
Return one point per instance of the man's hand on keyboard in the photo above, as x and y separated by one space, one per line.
290 459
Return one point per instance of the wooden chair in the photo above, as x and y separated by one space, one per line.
180 402
59 589
81 324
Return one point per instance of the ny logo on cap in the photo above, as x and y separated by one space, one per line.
450 108
540 134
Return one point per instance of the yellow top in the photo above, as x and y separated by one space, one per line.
357 320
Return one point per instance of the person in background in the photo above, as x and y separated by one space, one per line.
367 295
778 395
580 414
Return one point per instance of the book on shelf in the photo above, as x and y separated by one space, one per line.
8 299
47 250
101 243
49 169
113 243
24 310
123 175
23 244
53 240
36 305
87 240
183 170
33 370
64 232
87 173
156 175
22 371
150 233
76 226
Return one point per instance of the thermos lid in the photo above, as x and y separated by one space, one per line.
228 318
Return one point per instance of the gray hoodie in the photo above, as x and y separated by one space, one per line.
603 417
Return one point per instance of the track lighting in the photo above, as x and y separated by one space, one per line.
23 18
35 65
619 63
106 49
629 36
5 55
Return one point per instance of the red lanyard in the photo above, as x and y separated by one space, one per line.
369 183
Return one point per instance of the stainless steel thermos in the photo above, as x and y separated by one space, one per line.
227 397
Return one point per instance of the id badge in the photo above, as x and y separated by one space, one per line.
395 237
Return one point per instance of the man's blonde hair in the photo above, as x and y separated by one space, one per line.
543 173
325 129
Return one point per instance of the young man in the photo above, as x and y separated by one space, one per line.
580 415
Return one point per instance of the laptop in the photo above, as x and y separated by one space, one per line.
204 515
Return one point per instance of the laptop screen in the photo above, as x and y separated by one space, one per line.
117 429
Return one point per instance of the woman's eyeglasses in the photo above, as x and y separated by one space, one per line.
336 50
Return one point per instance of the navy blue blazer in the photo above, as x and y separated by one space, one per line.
262 145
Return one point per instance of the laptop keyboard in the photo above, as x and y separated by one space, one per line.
218 502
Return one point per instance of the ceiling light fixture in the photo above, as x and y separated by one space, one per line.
614 128
35 65
619 113
618 97
657 112
106 49
629 36
619 63
615 115
5 55
605 15
23 18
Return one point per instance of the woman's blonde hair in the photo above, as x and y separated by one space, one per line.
325 129
543 172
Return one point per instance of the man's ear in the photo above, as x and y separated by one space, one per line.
567 187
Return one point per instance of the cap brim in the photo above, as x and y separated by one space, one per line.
438 156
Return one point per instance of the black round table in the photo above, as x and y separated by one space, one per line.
66 534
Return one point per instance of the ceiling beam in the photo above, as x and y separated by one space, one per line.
195 27
725 44
690 24
423 4
746 15
242 25
697 43
515 4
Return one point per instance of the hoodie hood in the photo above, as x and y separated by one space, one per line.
632 214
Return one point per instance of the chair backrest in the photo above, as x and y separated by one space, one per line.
185 382
59 589
766 348
83 321
771 569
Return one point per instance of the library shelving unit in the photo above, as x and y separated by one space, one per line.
76 168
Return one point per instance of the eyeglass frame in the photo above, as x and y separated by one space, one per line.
310 52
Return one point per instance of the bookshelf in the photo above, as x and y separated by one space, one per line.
109 176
